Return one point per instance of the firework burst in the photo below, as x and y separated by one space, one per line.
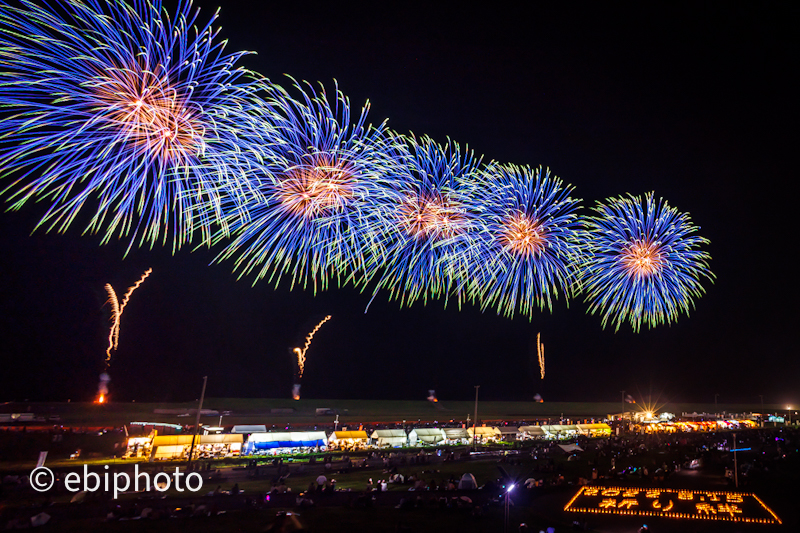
315 215
428 223
644 263
528 250
123 112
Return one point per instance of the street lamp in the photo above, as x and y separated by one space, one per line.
508 496
475 422
762 409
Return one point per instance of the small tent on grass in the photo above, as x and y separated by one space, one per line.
531 432
467 482
457 436
426 436
389 437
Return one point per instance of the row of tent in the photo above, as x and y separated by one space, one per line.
259 441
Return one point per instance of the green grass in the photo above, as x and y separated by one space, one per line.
258 411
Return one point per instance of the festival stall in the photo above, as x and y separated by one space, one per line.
205 447
394 438
348 440
456 436
508 433
426 436
560 431
285 442
485 434
139 447
530 432
594 430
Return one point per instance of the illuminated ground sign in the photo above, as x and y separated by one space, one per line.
673 503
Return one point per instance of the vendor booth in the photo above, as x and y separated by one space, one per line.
530 432
456 436
594 430
139 447
426 437
485 434
394 438
560 431
348 440
285 442
205 446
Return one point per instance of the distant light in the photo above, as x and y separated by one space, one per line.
510 487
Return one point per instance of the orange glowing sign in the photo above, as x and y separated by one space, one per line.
669 503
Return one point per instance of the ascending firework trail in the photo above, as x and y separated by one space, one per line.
301 357
113 335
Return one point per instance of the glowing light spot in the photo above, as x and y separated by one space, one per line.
309 191
433 217
522 235
642 259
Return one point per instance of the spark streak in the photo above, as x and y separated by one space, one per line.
116 312
540 351
301 353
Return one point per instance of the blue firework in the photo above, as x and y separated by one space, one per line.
315 217
644 262
429 223
528 251
123 115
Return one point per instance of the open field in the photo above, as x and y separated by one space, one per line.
303 412
541 507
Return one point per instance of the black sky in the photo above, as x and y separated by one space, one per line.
695 101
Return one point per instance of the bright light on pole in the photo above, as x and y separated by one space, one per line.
507 506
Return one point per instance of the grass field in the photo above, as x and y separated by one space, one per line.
280 412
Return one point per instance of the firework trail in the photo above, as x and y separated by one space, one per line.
540 352
643 262
124 110
112 299
301 353
116 312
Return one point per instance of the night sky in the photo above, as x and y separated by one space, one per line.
693 102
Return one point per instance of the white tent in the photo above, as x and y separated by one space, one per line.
531 432
389 437
430 436
456 436
560 431
467 482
